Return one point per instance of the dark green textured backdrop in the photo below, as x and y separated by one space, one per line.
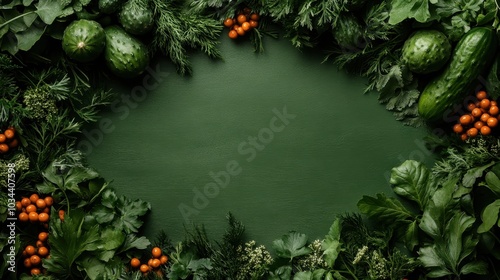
162 145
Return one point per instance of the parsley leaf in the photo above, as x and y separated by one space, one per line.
291 245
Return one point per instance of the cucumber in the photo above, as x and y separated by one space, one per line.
83 40
426 51
125 56
471 56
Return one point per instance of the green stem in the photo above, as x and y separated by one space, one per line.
15 18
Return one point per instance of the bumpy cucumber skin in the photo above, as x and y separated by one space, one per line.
83 40
125 56
473 53
136 17
426 51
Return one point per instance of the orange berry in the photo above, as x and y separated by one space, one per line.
485 117
493 103
481 95
19 206
485 104
43 236
46 210
485 130
246 26
4 148
156 252
30 250
2 138
240 31
228 22
39 244
31 208
23 217
43 252
476 112
163 259
27 262
135 263
472 132
155 263
471 106
40 203
254 16
253 23
61 215
9 133
43 217
33 216
144 268
466 119
35 260
493 110
458 128
492 122
479 124
25 201
48 201
35 271
233 34
33 198
241 18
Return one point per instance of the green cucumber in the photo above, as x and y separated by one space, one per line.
83 40
426 51
472 54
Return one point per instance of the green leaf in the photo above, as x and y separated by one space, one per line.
456 228
134 242
411 236
493 182
434 219
281 273
111 239
476 267
412 180
129 212
331 245
474 173
403 9
99 270
432 261
489 216
68 242
291 245
48 10
303 275
103 214
386 210
109 198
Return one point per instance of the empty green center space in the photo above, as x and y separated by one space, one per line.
278 139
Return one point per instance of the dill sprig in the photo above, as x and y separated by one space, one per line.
178 29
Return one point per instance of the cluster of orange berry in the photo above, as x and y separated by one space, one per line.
154 263
481 118
244 22
8 140
33 255
35 209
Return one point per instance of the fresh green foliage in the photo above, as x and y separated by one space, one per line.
177 30
120 212
23 23
331 244
68 241
291 245
439 218
186 264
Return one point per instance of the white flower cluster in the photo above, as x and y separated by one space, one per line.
256 261
361 253
22 164
378 267
315 259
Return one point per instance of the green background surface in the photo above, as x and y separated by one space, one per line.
163 145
